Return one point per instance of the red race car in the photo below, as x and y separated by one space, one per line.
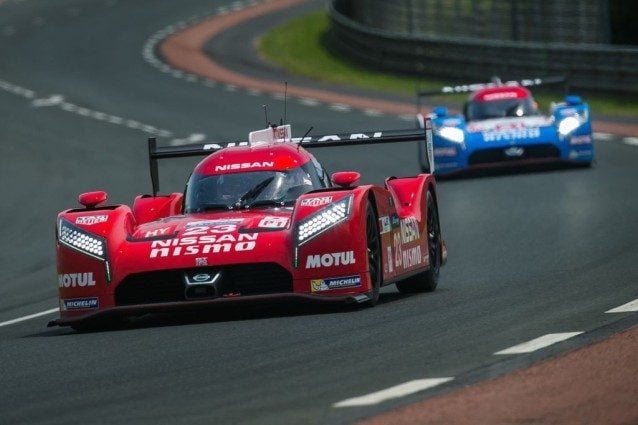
259 220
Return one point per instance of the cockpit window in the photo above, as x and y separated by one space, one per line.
243 190
500 108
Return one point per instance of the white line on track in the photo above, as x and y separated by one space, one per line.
308 101
538 343
397 391
625 308
30 316
58 101
340 107
373 113
407 117
603 136
632 141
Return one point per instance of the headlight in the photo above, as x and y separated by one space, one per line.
568 125
452 134
82 241
571 123
324 219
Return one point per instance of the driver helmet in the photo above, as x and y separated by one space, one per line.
230 186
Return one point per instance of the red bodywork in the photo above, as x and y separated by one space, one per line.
154 255
500 93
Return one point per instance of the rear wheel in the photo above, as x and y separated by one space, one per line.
374 255
428 280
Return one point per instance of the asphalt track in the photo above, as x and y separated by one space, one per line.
529 254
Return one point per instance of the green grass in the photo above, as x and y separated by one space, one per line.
298 47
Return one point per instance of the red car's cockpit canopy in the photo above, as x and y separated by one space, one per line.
271 171
500 102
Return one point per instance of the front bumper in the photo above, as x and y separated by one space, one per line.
498 158
194 305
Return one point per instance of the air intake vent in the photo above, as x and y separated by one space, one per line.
170 286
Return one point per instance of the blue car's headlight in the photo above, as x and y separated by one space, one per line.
452 134
324 219
568 124
81 240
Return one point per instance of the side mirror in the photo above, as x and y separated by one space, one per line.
440 111
92 199
345 178
573 100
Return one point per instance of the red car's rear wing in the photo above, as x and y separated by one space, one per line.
343 139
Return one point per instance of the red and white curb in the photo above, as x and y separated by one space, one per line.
150 48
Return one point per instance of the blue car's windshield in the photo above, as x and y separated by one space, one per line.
500 109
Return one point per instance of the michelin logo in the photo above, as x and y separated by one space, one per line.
318 285
81 304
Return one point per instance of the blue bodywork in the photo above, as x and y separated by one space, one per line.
564 136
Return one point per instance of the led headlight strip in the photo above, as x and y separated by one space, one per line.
80 240
84 242
568 124
323 219
452 134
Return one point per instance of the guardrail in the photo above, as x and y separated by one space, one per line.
588 66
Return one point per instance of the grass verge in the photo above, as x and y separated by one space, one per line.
298 46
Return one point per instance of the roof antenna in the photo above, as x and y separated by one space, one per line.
266 114
303 137
285 100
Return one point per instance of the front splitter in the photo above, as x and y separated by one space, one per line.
185 306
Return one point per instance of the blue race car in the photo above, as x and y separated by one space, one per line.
501 125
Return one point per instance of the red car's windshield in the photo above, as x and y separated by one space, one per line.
237 190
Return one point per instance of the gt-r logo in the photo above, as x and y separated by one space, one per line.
269 222
329 260
71 280
244 165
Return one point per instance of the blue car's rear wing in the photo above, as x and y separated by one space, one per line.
423 135
496 82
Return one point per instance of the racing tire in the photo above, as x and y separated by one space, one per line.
374 255
429 279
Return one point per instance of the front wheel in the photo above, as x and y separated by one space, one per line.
429 279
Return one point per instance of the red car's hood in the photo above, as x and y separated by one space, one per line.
227 222
229 237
